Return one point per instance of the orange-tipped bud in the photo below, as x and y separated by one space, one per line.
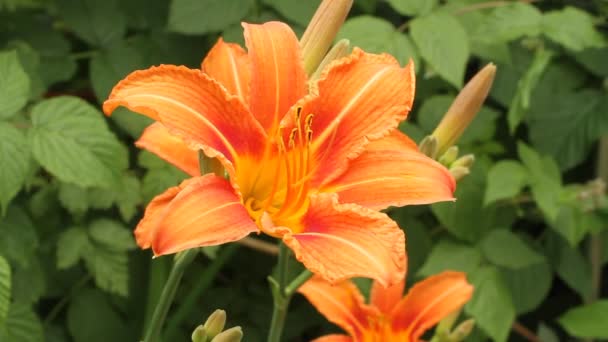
464 108
322 30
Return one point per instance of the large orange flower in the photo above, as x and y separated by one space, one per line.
388 317
310 168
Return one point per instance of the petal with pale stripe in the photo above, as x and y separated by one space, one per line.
342 303
193 107
385 298
155 211
392 172
429 301
341 241
278 79
157 139
361 97
206 212
228 64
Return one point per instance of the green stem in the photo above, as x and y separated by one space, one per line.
282 293
190 302
182 260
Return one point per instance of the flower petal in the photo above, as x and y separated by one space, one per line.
342 304
392 172
361 97
155 211
206 212
278 79
333 338
385 298
228 64
192 106
157 139
429 301
340 241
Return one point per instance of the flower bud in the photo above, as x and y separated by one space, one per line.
465 161
341 49
199 334
459 172
464 108
462 331
321 31
449 156
234 334
215 323
428 146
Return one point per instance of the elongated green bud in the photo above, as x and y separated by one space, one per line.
234 334
215 323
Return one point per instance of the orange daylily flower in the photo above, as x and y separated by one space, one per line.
310 169
388 317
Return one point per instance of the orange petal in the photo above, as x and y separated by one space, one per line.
206 212
278 79
361 97
392 172
155 211
157 139
385 298
192 106
228 64
342 304
429 301
341 241
333 338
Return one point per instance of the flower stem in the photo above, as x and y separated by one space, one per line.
282 293
182 260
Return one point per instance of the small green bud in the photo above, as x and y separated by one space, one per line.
464 161
428 146
199 334
459 172
234 334
462 331
215 323
449 156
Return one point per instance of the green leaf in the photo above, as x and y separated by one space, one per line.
22 325
529 286
491 305
443 44
506 179
579 32
569 264
568 126
97 22
526 84
18 239
91 318
509 22
71 140
5 290
159 177
111 235
15 160
204 16
451 255
72 245
128 197
297 11
29 282
110 269
14 85
503 248
587 321
413 7
594 60
377 35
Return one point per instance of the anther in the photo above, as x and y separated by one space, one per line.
309 136
298 113
308 121
292 137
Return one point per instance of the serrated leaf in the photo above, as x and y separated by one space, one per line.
450 255
160 175
587 321
73 198
14 85
594 60
102 324
377 35
503 248
15 160
413 7
18 238
109 269
443 44
29 282
491 305
71 140
111 235
72 245
529 286
129 197
204 16
509 22
506 179
5 290
569 264
22 325
97 22
579 32
297 11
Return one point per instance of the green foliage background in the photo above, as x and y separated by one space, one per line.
527 226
